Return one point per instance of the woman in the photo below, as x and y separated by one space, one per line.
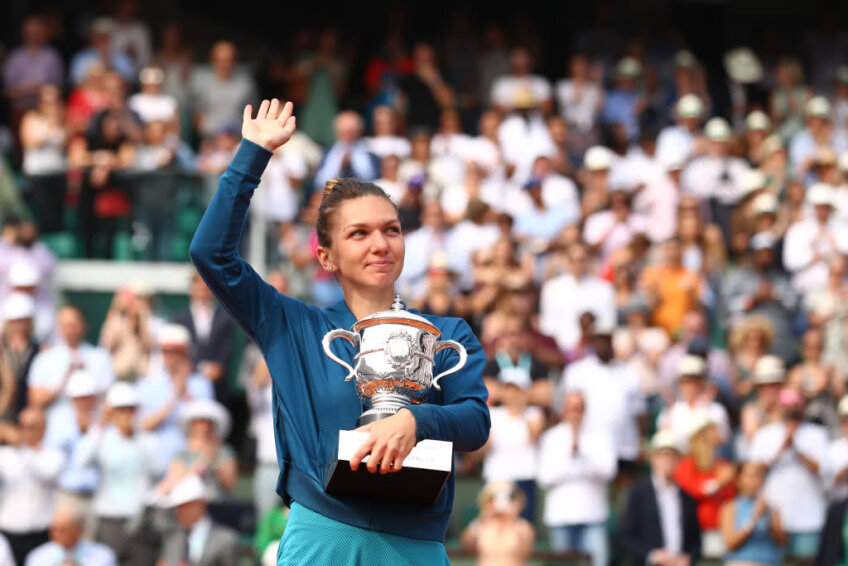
752 531
819 382
749 342
709 480
360 241
500 536
127 332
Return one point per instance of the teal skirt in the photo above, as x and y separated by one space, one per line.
311 538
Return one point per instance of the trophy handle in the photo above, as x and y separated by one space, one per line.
351 337
459 349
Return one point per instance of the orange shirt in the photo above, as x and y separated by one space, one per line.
695 482
677 291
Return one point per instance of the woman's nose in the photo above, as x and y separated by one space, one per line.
379 244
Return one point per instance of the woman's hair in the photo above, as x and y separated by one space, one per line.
702 450
753 323
336 191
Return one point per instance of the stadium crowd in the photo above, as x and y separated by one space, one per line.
653 258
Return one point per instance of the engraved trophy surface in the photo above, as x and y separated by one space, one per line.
394 365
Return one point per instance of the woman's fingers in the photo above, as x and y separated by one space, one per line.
361 453
288 108
387 463
263 110
273 109
248 112
290 126
376 458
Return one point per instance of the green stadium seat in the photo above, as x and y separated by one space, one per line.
65 245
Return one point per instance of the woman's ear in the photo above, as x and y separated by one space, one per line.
324 259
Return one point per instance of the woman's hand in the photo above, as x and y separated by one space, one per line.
390 442
272 127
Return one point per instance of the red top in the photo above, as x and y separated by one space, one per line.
696 483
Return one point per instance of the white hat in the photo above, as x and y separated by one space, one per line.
700 421
752 180
175 336
684 58
820 193
122 394
24 274
825 156
81 384
191 488
628 67
842 408
743 66
762 241
717 129
765 203
597 158
207 409
689 106
664 440
817 106
769 369
18 306
757 120
691 365
674 159
603 325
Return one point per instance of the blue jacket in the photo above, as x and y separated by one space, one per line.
311 399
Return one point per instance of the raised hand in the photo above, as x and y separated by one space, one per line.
273 126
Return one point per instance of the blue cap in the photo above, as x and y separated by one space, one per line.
532 182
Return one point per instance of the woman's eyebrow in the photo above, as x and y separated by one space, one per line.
368 225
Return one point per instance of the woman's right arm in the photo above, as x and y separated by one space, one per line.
733 538
214 248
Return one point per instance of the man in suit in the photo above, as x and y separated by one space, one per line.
660 523
832 548
211 336
198 541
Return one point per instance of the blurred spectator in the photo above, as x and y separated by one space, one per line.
520 89
757 130
281 187
24 277
606 231
751 528
537 227
660 522
683 140
819 383
101 50
220 93
349 156
68 544
579 97
788 98
818 133
131 36
28 470
424 93
128 331
128 461
211 331
324 72
625 102
793 451
86 99
174 58
511 452
206 424
828 311
163 394
768 378
672 289
708 479
151 103
198 540
386 141
20 246
19 348
614 403
576 479
52 368
499 534
835 466
749 341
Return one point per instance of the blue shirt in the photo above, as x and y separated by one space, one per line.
85 552
620 108
312 401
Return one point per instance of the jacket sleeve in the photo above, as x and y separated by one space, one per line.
214 249
691 529
463 417
632 537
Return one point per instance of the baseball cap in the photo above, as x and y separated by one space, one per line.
689 106
769 369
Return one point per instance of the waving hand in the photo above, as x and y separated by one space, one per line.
273 126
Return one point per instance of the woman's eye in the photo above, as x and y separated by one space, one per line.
393 230
357 233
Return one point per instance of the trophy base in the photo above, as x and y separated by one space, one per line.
369 417
419 482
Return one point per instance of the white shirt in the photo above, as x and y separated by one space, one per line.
511 455
675 142
463 240
383 146
835 461
603 229
577 483
280 195
656 199
680 417
671 514
522 141
395 189
705 178
509 91
613 401
796 492
420 245
49 369
197 539
154 107
27 483
801 240
128 468
85 552
579 107
201 316
6 558
262 422
564 299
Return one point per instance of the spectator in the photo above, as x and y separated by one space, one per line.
521 90
163 394
23 249
672 290
100 50
68 545
768 378
128 462
788 98
323 73
832 548
19 346
683 139
151 103
624 103
540 225
51 370
174 58
817 134
511 451
835 466
580 98
219 94
819 383
386 140
128 331
424 94
576 479
349 156
709 480
751 528
757 130
24 277
749 341
199 540
660 522
28 470
211 336
131 36
500 534
794 450
86 99
607 231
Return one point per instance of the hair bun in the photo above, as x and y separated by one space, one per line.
331 185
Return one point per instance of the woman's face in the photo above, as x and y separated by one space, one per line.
201 428
367 247
754 339
812 347
750 479
689 227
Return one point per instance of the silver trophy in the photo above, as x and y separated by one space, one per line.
394 365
